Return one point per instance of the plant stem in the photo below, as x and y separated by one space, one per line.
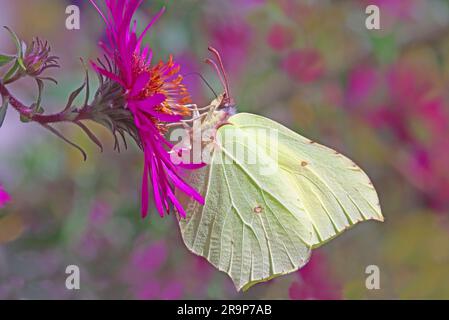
28 113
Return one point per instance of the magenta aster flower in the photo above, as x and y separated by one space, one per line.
4 197
155 95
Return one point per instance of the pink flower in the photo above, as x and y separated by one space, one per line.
4 197
150 257
231 35
394 8
280 37
155 95
304 65
173 291
363 83
316 282
405 101
147 276
99 213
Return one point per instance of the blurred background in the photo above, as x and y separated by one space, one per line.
379 97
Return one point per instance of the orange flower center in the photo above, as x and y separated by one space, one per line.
164 79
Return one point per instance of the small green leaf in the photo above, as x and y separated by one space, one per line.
20 62
20 47
17 42
73 96
3 110
40 87
11 73
5 59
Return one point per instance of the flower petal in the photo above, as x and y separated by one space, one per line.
184 187
153 21
176 203
140 83
108 74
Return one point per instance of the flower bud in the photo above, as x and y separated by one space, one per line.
37 58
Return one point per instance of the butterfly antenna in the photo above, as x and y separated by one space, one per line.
204 80
217 70
223 71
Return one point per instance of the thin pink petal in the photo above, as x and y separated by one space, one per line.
155 19
140 83
108 74
184 187
177 204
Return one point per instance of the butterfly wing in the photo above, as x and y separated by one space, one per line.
334 191
248 227
271 195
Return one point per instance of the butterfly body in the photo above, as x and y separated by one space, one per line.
220 110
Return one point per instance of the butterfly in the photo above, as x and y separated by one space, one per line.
271 195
